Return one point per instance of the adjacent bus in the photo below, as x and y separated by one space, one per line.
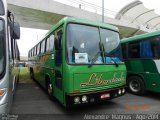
142 59
9 55
79 62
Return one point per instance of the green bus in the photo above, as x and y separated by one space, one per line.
141 55
79 62
9 56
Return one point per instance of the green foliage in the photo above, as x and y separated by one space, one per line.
24 76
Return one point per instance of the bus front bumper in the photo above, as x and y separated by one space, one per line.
94 97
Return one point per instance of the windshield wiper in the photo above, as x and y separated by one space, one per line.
94 59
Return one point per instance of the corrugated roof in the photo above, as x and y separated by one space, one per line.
138 13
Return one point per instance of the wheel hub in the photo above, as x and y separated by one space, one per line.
134 85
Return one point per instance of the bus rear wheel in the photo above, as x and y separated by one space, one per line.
136 85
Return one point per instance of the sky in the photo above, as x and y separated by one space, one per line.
29 37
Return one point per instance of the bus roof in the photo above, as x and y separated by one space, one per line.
82 21
138 37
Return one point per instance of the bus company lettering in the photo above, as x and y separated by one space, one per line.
95 80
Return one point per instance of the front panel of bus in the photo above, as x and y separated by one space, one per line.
93 70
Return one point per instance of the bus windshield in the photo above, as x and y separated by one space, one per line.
84 42
1 46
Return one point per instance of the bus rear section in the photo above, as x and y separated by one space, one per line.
84 65
141 54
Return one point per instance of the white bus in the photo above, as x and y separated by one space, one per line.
9 55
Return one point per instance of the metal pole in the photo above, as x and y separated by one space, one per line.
102 10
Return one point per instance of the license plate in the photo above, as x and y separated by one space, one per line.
104 96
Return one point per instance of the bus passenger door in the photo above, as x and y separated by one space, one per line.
58 91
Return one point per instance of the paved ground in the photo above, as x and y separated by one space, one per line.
31 102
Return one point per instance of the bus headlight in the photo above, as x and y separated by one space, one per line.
76 99
84 98
119 91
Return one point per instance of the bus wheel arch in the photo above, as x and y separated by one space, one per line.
135 84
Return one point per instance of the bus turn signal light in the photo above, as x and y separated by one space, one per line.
2 92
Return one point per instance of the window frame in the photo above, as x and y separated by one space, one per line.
4 51
66 51
150 38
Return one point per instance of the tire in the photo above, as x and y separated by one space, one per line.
49 89
135 85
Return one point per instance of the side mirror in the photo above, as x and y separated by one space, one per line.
15 30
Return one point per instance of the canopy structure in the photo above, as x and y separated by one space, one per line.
137 13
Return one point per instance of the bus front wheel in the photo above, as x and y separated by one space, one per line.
50 89
136 85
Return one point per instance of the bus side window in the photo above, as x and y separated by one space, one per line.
38 49
155 42
51 42
35 50
43 46
134 50
48 45
146 49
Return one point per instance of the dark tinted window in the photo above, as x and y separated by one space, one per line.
155 42
133 51
145 49
2 46
124 49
